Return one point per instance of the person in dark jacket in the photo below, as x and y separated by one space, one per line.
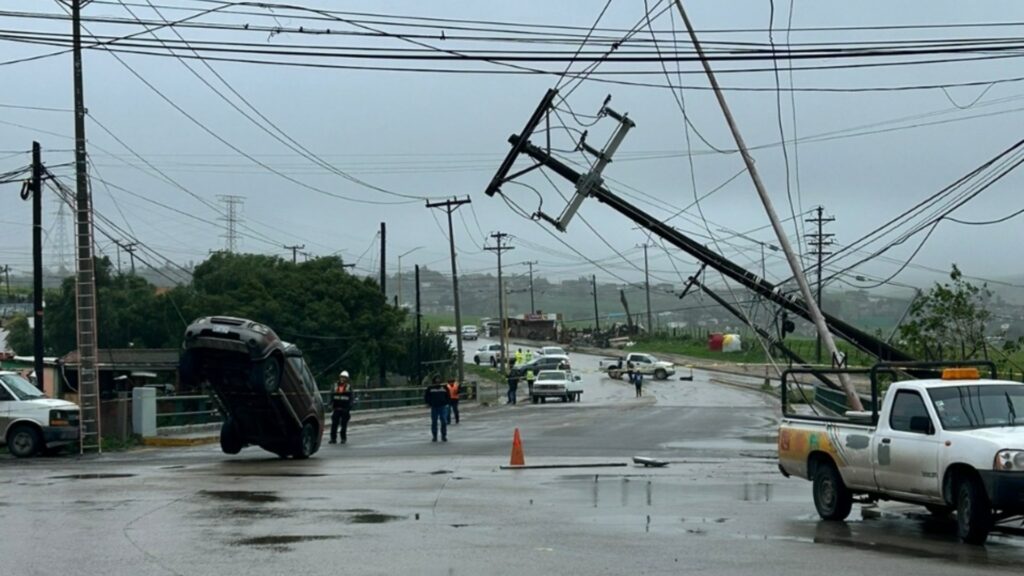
436 396
341 406
513 387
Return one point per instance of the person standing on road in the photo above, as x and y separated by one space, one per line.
528 356
437 398
638 382
513 387
530 377
453 400
519 357
341 408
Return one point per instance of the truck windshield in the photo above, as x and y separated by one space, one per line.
970 407
23 389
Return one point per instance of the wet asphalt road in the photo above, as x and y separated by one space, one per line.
392 502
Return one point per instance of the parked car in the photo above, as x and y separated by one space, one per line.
262 385
949 443
446 329
470 333
488 354
30 422
551 362
552 351
643 363
561 384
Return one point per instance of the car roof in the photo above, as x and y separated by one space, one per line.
550 356
935 383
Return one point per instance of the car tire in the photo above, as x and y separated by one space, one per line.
578 396
534 399
494 363
230 440
973 512
24 441
476 360
567 398
660 374
266 374
832 498
305 442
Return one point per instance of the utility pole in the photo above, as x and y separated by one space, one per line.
295 251
398 299
419 330
530 263
597 322
128 247
819 242
498 248
449 207
36 188
87 333
381 372
794 263
7 280
647 288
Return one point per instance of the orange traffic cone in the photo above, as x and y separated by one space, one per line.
517 451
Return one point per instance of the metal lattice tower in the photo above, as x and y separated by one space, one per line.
61 235
231 218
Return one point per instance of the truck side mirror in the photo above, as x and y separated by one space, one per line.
577 378
921 425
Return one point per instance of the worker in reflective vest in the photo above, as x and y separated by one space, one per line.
453 400
341 405
530 377
519 357
528 356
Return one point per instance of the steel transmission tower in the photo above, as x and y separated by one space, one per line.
231 218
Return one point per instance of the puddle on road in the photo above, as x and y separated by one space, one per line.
374 518
95 476
281 540
241 496
280 475
439 472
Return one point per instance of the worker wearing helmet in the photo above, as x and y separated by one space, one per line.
341 403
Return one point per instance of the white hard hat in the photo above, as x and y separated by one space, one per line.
344 374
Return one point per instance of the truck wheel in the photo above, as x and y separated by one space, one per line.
567 398
660 374
832 498
266 374
494 363
615 375
533 399
578 395
24 441
973 513
230 439
306 442
476 360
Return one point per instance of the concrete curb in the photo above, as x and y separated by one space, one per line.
178 442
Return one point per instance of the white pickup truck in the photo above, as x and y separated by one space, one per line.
30 422
643 363
953 443
561 384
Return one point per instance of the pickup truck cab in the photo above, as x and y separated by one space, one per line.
30 422
643 363
561 384
950 443
488 354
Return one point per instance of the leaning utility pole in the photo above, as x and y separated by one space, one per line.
819 242
36 189
449 207
593 283
502 314
794 262
647 288
85 283
295 251
381 370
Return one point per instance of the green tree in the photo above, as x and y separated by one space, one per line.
948 322
19 336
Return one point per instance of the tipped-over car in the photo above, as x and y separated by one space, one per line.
261 384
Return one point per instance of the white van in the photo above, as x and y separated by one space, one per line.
29 421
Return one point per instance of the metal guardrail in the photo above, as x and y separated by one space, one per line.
202 409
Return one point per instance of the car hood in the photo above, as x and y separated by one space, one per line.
1004 436
51 403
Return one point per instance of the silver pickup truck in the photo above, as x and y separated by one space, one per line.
952 443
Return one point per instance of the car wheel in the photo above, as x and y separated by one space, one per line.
534 399
267 374
567 398
24 441
307 441
973 513
476 360
230 439
494 363
660 374
832 498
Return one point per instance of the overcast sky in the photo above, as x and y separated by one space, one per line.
435 134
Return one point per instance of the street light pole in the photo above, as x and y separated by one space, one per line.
400 271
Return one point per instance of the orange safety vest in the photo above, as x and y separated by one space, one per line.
342 388
453 390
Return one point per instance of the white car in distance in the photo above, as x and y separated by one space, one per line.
561 384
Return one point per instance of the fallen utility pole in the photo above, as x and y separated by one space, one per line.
449 207
794 263
597 321
498 248
647 289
